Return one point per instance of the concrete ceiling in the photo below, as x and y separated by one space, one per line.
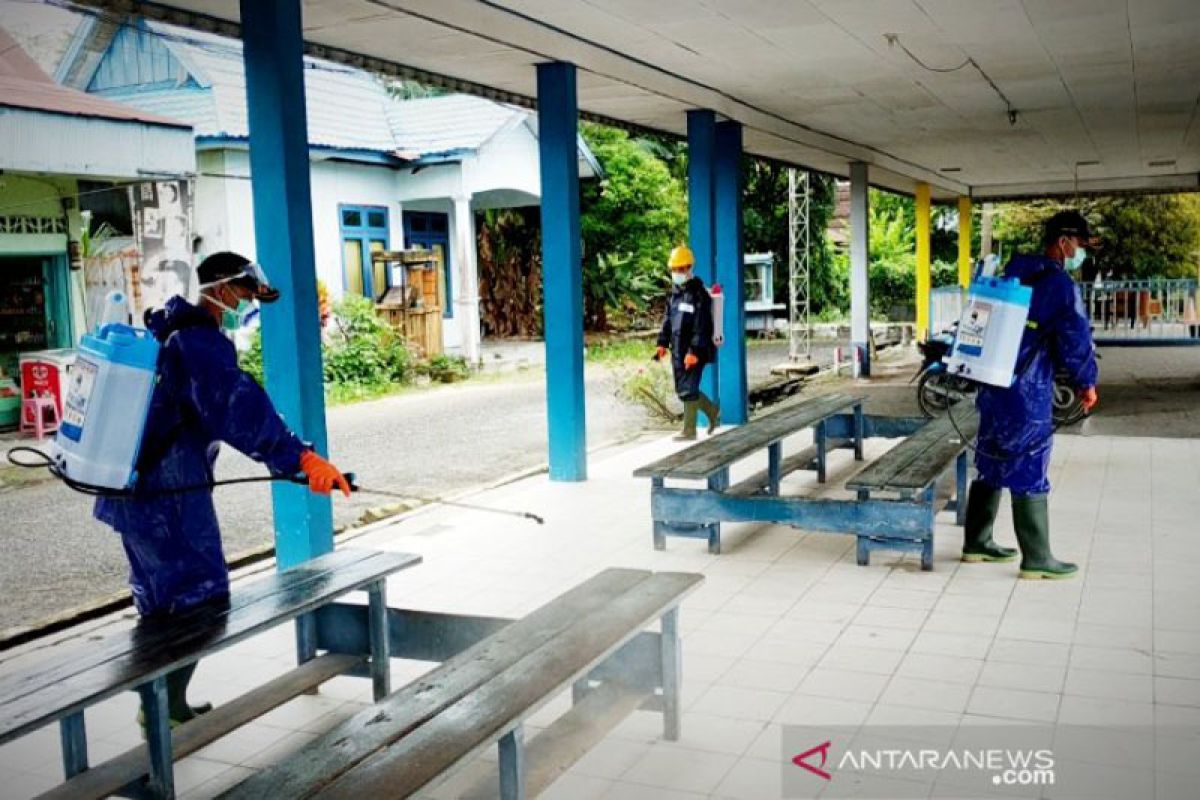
1106 92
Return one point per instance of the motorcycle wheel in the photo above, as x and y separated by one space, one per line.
1067 408
937 391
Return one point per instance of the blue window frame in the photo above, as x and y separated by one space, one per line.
364 230
432 231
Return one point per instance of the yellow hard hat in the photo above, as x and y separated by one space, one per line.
681 257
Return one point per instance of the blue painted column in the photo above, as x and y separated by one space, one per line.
727 193
274 55
702 139
562 270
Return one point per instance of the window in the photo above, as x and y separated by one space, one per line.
364 231
431 230
759 280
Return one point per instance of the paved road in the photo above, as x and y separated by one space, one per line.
56 557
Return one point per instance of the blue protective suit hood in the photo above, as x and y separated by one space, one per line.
1016 425
202 398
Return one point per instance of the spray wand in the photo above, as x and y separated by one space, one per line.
51 466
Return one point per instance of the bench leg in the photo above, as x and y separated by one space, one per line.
512 765
158 737
774 464
863 553
73 734
927 547
377 622
960 489
822 437
672 674
306 638
717 482
859 430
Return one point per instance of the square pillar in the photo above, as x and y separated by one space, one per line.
562 270
701 133
924 253
727 204
964 242
860 284
465 256
273 51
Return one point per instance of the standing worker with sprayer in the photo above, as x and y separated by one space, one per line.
1016 427
687 331
201 398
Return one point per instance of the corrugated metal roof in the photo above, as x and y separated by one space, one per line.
23 84
438 125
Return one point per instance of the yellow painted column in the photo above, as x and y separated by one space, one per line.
923 261
964 242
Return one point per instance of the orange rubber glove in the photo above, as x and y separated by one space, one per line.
1088 398
322 476
690 361
660 353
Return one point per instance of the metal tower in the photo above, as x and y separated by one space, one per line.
799 323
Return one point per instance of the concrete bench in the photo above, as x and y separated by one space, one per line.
711 459
910 472
61 688
590 639
894 505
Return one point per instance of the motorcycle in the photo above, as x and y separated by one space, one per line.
938 390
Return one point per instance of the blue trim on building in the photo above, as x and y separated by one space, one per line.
433 230
274 56
727 193
364 234
316 152
562 281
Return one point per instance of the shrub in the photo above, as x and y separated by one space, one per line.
653 388
445 369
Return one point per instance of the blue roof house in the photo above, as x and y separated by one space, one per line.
386 173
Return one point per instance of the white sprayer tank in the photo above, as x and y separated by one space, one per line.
106 404
990 330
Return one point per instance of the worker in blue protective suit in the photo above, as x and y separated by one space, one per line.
201 398
1015 424
687 331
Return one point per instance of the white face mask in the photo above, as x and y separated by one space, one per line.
1075 261
680 278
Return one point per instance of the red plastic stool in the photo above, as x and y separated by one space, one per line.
39 415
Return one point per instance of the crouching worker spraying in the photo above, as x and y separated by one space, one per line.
1016 428
687 331
201 398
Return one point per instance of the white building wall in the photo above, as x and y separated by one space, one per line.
225 208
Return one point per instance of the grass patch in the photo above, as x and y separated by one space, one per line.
620 351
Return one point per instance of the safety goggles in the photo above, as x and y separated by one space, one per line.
253 277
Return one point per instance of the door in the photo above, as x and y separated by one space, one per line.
431 231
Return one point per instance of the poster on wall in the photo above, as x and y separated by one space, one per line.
162 225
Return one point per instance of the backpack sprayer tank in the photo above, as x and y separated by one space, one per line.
107 401
990 331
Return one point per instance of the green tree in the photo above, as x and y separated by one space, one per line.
630 220
1139 236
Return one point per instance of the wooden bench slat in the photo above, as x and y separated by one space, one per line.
112 775
712 455
920 459
56 668
401 712
464 728
167 649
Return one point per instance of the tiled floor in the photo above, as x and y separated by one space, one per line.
786 629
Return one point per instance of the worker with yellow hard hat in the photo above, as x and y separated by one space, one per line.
687 331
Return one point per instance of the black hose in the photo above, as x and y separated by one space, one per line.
44 460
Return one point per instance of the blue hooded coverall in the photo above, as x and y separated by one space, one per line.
1016 425
202 398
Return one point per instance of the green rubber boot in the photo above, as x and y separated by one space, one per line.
690 407
178 710
982 504
1031 518
712 411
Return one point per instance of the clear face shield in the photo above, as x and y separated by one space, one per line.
251 277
